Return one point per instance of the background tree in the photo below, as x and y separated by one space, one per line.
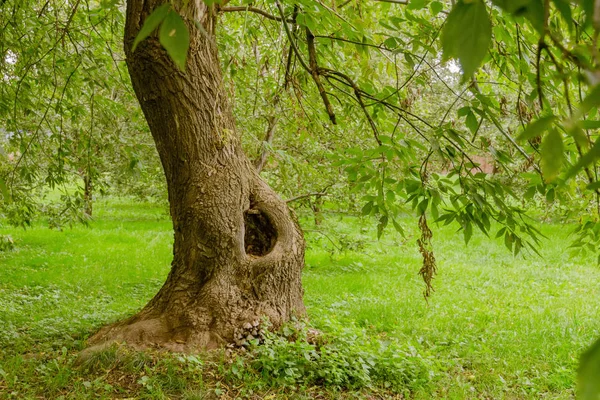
71 128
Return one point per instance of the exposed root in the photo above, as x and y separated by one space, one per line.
155 333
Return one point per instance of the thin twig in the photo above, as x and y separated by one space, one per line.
254 10
303 196
358 94
288 32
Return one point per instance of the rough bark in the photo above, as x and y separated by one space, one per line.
238 250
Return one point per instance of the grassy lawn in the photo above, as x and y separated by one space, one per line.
497 327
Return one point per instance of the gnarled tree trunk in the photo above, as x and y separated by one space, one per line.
238 251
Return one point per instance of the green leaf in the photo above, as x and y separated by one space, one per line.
552 153
398 227
587 124
461 112
108 3
416 4
423 206
550 195
529 193
436 7
516 7
366 210
472 122
468 232
467 35
175 38
591 186
588 8
564 8
508 240
592 100
390 43
518 246
435 213
151 23
579 135
536 128
533 10
587 159
383 221
390 196
588 384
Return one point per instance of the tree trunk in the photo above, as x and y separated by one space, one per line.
87 194
238 250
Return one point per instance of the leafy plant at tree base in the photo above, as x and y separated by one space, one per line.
298 355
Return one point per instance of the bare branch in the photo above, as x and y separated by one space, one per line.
303 196
404 2
254 10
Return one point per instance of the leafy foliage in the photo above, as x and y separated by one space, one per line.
152 23
173 33
71 127
175 38
467 35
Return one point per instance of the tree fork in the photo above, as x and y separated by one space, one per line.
238 250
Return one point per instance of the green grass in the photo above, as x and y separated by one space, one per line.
498 326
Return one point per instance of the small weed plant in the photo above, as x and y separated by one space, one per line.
344 358
6 243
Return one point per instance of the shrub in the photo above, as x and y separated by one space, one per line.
344 358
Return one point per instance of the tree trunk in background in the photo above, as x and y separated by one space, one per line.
261 160
238 250
87 194
315 205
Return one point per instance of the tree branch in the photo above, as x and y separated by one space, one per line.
314 69
290 56
358 94
303 196
404 2
290 37
254 10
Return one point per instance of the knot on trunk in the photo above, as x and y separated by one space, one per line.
260 235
